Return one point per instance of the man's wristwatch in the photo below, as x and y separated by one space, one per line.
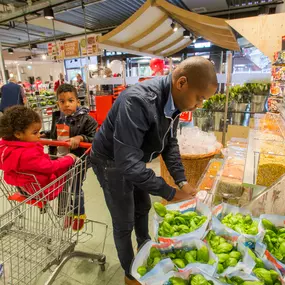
181 184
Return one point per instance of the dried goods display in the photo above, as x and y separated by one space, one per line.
229 186
208 178
270 168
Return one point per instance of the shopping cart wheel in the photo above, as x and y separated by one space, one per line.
102 267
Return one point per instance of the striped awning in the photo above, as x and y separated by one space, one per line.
149 31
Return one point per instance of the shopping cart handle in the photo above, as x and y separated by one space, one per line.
62 143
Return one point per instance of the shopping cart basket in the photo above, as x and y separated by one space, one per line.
34 230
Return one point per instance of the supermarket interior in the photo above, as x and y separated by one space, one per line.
124 182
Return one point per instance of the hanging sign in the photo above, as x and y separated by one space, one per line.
91 47
71 49
75 48
56 52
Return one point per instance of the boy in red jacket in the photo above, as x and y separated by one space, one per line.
21 153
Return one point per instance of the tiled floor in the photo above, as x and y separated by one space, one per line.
82 271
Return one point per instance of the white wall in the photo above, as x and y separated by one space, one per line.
43 70
280 8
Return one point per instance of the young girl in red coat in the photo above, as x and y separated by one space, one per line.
22 154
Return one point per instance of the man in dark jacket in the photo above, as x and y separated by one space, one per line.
141 125
12 94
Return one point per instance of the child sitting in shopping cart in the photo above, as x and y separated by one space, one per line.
22 157
72 123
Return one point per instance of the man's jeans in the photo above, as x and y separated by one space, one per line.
128 206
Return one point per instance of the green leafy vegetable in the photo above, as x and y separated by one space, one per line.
175 223
274 239
242 224
160 209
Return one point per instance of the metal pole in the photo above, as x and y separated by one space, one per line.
88 62
2 65
54 38
29 39
19 73
170 64
229 78
221 68
124 74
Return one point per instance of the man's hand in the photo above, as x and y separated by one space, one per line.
75 141
181 196
189 189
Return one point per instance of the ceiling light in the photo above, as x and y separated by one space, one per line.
11 75
29 67
10 51
48 13
44 57
186 34
174 27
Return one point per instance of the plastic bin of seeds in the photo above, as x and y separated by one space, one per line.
228 187
208 178
271 165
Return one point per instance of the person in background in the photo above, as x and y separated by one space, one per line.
59 82
141 125
81 87
27 85
12 94
38 82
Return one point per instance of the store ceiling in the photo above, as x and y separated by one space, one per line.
101 16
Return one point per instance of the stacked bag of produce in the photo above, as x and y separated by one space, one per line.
224 246
182 220
200 142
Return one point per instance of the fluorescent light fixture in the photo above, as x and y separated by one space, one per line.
202 45
44 57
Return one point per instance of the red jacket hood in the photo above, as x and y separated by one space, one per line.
11 151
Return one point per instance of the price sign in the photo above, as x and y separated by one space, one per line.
71 49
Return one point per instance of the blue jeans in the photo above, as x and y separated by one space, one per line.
128 206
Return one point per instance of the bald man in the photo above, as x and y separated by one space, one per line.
141 125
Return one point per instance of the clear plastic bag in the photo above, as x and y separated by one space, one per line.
184 207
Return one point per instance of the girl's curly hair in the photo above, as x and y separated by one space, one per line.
17 119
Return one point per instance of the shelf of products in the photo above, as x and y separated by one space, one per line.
45 104
222 181
265 160
45 99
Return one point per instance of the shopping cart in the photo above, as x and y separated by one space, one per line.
35 231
